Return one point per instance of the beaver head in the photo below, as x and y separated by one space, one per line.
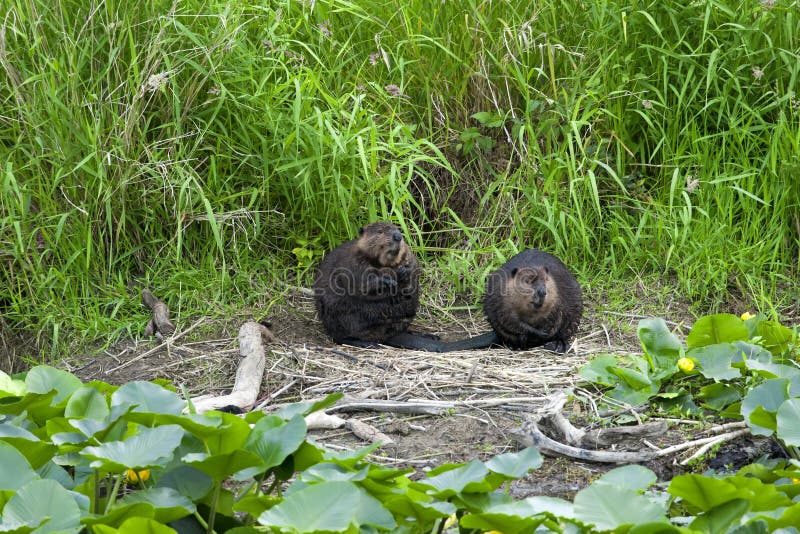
382 244
531 291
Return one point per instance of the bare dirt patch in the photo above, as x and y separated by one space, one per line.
486 394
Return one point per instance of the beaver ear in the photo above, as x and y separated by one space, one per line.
514 272
360 230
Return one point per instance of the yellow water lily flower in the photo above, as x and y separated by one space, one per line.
747 315
686 365
135 476
450 521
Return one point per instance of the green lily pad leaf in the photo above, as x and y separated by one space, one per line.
36 451
454 480
53 471
776 336
718 395
148 397
656 528
657 341
40 499
633 397
349 459
10 387
762 422
599 505
37 405
143 525
17 472
762 497
305 408
273 440
119 514
43 379
702 493
773 370
634 477
330 507
326 472
779 518
515 464
168 504
519 516
150 447
722 517
750 352
16 528
634 379
714 361
714 329
204 426
186 480
788 422
229 436
413 503
88 403
767 396
598 370
221 466
255 505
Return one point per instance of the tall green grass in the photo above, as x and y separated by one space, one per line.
212 149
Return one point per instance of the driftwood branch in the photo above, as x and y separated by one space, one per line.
532 436
160 322
368 432
249 374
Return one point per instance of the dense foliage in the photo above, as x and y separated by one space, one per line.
223 146
134 459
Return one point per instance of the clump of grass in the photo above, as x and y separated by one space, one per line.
187 146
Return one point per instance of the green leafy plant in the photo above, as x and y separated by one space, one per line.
731 353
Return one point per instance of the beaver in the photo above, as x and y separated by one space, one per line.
367 289
532 300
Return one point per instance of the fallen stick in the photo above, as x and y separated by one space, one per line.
323 421
157 348
368 432
160 322
532 436
249 374
719 439
417 408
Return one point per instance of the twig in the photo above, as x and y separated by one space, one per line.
718 439
157 348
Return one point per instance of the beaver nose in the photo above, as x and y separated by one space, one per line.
542 291
397 236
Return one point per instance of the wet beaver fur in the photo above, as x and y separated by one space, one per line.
532 300
367 290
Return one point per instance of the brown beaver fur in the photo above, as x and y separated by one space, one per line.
533 300
530 301
367 289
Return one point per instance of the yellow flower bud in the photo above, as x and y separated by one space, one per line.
686 365
795 480
747 315
135 476
451 521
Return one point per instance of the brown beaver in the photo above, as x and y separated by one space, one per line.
367 289
530 301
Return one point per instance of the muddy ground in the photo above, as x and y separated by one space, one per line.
203 355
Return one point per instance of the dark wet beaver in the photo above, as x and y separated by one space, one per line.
367 289
532 300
